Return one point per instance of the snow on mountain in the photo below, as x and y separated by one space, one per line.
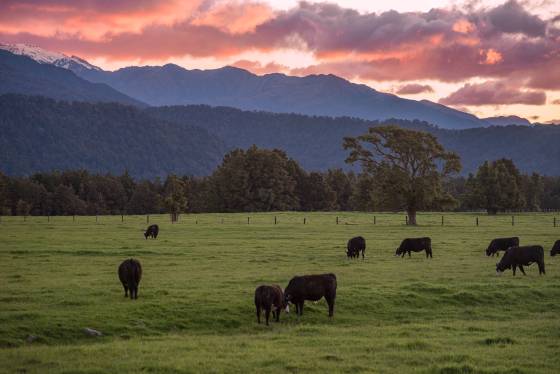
43 56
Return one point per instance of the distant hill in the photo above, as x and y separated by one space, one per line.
41 134
325 95
38 134
507 120
23 75
316 142
44 56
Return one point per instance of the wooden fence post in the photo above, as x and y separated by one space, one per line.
248 220
122 217
275 220
554 222
406 219
304 220
442 220
477 221
337 220
374 220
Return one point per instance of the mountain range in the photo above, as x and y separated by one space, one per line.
323 95
22 75
60 112
41 134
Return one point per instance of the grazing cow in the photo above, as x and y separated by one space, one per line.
521 256
555 248
311 287
355 245
501 244
130 273
152 231
415 245
269 298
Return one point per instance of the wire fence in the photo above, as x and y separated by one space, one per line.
474 219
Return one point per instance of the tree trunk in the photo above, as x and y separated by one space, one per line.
411 217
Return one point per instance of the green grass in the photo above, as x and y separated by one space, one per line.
195 310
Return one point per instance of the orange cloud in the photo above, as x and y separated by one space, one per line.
491 56
260 69
237 18
463 26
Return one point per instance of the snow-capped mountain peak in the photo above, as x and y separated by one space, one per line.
43 56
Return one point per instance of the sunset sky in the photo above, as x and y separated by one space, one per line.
485 57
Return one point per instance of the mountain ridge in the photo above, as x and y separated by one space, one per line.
23 75
322 94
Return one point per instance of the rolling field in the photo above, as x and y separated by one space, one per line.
195 310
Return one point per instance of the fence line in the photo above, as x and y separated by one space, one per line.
305 218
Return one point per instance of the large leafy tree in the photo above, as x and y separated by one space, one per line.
497 187
407 166
254 180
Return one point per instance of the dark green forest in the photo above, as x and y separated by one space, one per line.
260 180
40 135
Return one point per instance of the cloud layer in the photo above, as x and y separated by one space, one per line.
501 44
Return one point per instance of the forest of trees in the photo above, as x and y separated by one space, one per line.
256 180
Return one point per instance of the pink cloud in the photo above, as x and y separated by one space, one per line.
413 89
260 69
450 45
493 93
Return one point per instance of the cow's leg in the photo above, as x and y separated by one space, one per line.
497 254
541 268
363 254
301 308
267 314
278 314
409 255
258 314
522 270
125 290
513 268
330 302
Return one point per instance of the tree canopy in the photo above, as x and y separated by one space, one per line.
407 166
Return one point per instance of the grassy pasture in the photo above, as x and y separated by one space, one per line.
195 313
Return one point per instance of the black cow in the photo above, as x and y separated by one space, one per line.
501 244
152 231
521 256
311 287
130 273
415 245
269 298
555 248
355 245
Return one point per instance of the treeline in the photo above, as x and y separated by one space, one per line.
260 180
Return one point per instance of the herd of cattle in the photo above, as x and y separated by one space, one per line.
271 298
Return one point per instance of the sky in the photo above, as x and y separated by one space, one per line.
488 58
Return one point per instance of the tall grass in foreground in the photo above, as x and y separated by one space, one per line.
195 312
